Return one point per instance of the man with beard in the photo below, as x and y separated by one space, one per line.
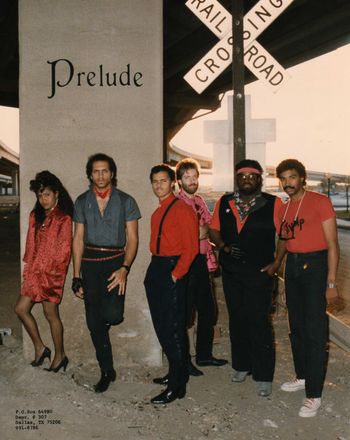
308 232
243 229
199 288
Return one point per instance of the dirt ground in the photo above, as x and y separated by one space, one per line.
36 404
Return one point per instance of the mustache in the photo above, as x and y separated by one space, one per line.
288 187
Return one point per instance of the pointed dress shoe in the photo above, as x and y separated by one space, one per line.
45 354
168 396
211 362
63 364
192 371
161 380
106 378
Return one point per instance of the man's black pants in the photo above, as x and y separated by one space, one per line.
248 294
200 296
167 303
102 308
305 282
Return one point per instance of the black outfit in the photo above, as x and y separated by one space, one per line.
102 308
305 279
200 297
104 239
248 291
167 303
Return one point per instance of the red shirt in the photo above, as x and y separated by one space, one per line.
215 223
307 234
179 234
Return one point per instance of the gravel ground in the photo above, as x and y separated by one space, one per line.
214 407
36 404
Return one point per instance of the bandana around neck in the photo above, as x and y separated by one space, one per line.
102 194
244 208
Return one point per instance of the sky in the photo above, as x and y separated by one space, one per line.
9 127
311 112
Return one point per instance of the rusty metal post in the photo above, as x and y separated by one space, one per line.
239 138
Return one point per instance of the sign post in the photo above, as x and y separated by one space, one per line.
237 45
238 83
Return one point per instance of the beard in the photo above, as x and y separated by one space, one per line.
190 189
248 190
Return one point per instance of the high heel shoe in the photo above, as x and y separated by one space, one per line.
63 364
46 354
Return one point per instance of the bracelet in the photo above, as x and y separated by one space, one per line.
126 267
331 285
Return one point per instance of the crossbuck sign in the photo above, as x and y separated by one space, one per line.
256 58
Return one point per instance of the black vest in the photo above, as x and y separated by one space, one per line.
257 237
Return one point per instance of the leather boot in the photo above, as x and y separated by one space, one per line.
106 378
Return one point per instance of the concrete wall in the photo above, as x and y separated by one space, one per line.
85 116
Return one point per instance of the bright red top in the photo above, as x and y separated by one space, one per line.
307 234
179 234
215 223
47 256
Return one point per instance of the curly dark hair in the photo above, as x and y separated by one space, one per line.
184 165
44 180
291 164
163 167
102 157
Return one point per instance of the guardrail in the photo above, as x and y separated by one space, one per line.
9 203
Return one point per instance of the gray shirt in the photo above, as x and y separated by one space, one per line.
109 229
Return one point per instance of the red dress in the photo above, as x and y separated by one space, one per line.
47 256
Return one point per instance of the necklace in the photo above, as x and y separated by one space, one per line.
102 194
299 206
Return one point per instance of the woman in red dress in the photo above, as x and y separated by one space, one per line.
46 258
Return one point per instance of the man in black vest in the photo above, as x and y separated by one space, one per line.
243 229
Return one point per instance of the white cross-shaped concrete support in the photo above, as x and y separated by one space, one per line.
220 134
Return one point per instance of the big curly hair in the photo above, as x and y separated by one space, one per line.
44 180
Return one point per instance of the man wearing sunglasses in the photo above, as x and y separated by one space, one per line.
308 233
244 230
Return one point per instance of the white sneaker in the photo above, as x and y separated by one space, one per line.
310 407
293 385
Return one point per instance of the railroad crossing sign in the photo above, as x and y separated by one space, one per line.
256 58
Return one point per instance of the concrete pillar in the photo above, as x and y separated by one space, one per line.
14 178
220 133
70 51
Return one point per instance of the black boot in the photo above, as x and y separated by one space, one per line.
106 378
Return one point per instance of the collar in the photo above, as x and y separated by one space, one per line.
183 195
165 202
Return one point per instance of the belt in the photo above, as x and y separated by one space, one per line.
308 254
94 253
103 249
159 257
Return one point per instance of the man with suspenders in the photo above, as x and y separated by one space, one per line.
174 245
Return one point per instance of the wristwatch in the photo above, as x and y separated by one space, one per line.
331 285
126 267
